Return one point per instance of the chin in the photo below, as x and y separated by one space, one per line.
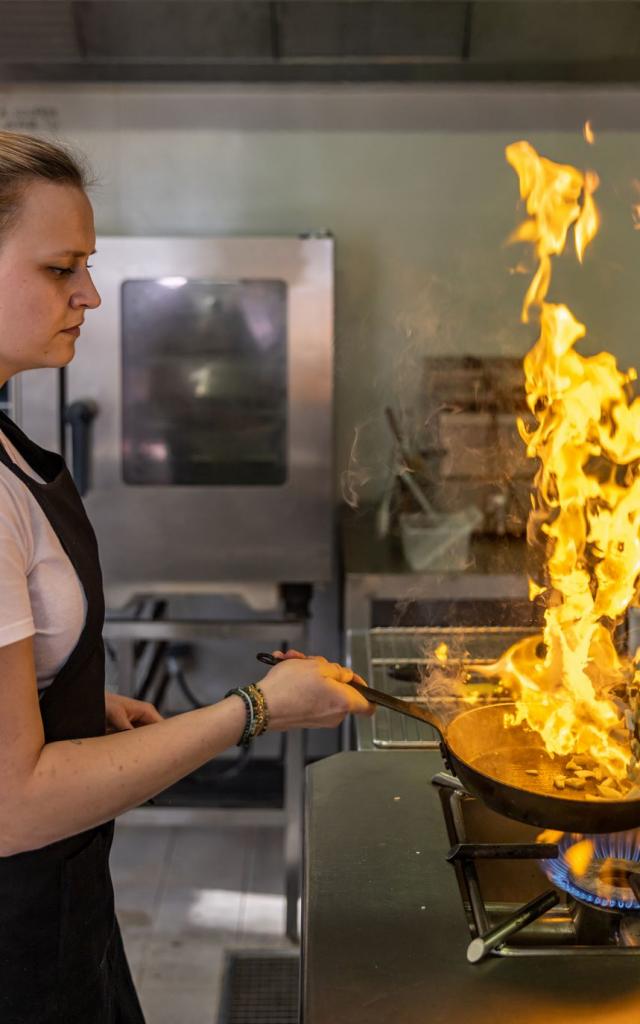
56 360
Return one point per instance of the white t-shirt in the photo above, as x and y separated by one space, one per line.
40 592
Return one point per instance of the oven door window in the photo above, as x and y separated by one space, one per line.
204 369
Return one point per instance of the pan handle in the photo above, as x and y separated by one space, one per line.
409 708
404 707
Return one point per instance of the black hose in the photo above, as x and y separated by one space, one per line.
236 765
147 682
157 612
161 691
182 683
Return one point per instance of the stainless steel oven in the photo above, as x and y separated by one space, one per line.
197 412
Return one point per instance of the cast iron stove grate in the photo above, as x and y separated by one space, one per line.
260 988
503 875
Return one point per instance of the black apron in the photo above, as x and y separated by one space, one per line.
61 955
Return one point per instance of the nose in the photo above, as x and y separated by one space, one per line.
87 295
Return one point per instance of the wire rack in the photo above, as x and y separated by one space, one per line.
413 649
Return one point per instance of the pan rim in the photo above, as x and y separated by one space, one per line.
564 800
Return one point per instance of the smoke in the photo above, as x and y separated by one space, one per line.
364 466
445 692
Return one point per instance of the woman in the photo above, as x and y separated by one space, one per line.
71 757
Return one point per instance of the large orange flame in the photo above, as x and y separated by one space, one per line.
586 503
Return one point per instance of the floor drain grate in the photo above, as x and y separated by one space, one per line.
260 988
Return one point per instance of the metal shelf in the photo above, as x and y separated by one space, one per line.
124 633
373 653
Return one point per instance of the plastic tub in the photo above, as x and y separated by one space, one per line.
440 545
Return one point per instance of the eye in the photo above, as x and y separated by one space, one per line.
64 271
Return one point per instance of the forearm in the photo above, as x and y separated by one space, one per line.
77 784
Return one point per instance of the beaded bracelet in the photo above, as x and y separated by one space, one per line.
256 709
260 709
245 739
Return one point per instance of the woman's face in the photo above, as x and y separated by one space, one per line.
45 286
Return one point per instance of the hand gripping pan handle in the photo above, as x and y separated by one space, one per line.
410 708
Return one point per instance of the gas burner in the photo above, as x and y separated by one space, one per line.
498 864
609 876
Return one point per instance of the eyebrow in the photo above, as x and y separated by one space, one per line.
74 252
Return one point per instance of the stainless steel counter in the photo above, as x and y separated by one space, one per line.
384 934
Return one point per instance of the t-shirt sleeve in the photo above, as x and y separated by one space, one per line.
16 553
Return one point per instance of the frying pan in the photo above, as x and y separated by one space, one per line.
492 762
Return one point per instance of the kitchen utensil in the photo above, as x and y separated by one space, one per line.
383 512
406 467
495 761
405 673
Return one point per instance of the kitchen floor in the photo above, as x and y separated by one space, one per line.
184 896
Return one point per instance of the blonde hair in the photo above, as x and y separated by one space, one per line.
26 158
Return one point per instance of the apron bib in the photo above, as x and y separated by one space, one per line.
61 955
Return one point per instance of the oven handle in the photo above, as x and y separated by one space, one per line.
79 416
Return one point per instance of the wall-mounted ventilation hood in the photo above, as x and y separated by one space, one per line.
320 40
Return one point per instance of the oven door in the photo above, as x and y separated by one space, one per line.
199 411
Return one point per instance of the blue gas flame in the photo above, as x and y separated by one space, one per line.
623 846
